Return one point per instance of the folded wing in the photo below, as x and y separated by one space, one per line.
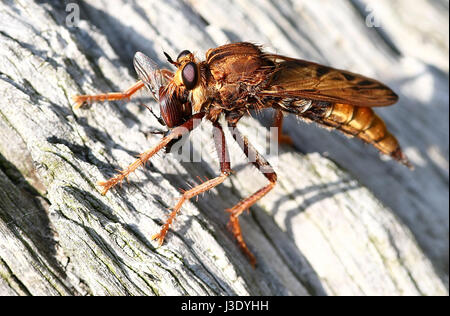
299 78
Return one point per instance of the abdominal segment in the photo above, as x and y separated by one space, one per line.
355 121
363 123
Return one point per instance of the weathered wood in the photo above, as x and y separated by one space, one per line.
344 223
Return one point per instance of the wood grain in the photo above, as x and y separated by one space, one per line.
340 220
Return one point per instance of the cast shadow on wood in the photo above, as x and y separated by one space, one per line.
85 154
280 240
104 214
34 222
217 218
321 192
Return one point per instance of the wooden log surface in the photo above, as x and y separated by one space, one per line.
341 221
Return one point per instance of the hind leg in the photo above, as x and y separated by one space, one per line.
278 123
263 166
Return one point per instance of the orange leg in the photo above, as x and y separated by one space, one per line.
145 156
278 123
205 186
225 171
113 96
263 166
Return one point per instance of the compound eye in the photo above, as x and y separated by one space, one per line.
189 75
182 54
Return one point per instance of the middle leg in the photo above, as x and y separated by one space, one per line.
225 170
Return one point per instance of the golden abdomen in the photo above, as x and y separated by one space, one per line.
364 123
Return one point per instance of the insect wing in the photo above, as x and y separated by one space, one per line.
149 72
303 79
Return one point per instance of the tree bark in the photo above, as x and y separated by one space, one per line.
340 221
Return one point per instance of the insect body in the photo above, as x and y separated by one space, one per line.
239 77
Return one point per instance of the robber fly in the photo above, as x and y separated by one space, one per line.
239 77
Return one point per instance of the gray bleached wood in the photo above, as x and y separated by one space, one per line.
325 229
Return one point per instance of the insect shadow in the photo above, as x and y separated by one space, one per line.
84 153
321 192
212 206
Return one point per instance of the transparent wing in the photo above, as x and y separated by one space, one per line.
149 72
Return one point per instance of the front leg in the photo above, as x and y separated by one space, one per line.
145 156
112 96
115 96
